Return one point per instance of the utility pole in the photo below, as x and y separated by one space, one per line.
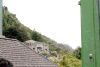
0 17
90 27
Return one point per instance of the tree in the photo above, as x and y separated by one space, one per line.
77 52
16 33
36 36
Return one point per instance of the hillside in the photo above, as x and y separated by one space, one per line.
12 28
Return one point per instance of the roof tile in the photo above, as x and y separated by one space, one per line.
22 56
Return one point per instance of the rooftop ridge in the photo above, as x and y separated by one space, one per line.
3 37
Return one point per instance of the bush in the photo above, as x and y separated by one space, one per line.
53 53
44 53
67 60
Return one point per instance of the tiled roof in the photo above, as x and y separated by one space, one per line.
22 56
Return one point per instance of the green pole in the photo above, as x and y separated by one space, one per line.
0 17
90 33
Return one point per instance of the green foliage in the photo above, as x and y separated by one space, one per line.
67 60
58 49
53 53
12 28
66 47
15 33
77 53
36 36
44 53
70 61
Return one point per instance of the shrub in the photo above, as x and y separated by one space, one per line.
44 53
53 53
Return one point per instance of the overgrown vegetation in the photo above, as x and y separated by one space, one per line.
12 28
77 53
67 60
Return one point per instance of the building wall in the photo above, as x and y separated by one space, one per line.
37 45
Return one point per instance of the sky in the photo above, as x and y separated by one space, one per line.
56 19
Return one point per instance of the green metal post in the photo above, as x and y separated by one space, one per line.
90 33
0 17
